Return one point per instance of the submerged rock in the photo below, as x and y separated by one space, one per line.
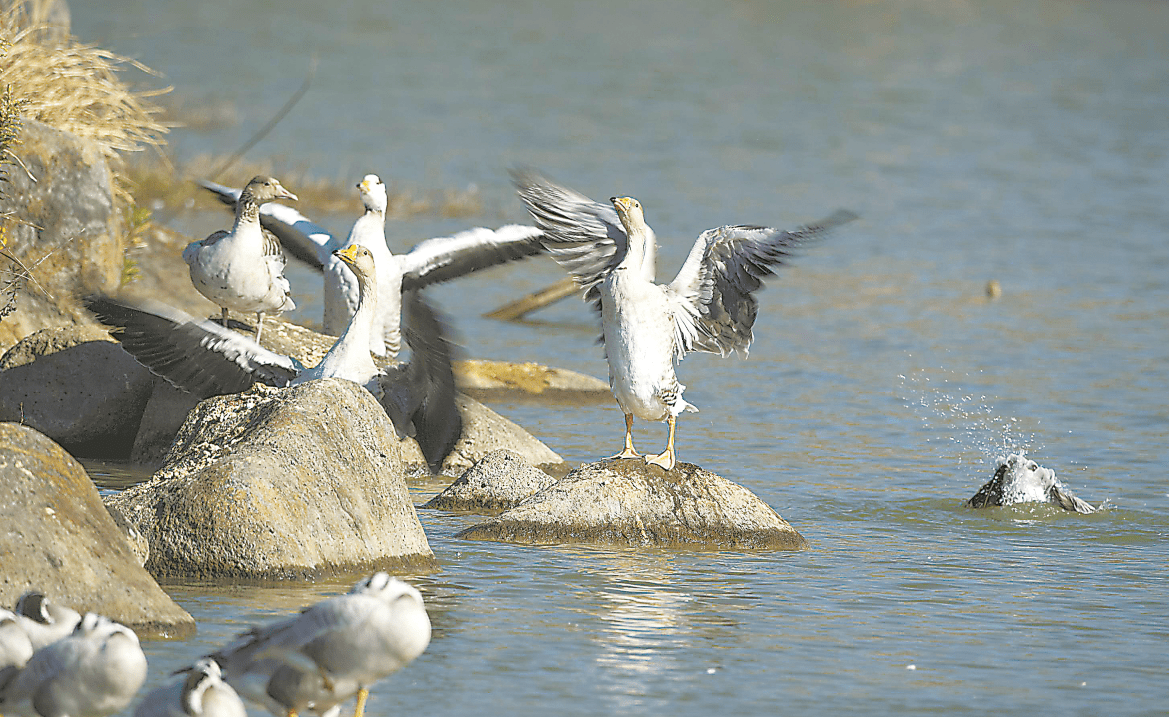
77 387
627 502
1018 479
57 538
496 380
498 481
292 483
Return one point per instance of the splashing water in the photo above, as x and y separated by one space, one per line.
964 422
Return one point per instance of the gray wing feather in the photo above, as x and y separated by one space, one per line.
194 355
713 306
445 258
583 236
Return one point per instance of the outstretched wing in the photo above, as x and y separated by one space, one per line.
303 239
194 355
446 258
711 297
422 392
583 236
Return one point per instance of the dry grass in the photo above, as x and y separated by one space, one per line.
77 87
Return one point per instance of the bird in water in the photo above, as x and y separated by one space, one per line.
332 650
243 269
649 327
432 261
205 359
94 671
200 692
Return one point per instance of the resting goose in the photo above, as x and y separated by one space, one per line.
44 621
432 261
648 327
94 671
243 269
205 359
201 692
332 650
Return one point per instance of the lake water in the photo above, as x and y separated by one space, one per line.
1025 142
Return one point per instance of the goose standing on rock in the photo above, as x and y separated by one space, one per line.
332 650
204 359
432 261
243 269
94 671
648 327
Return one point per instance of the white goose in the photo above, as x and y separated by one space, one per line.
94 671
243 269
432 261
648 327
44 621
332 650
200 693
205 359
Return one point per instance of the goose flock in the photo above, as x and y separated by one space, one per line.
314 661
609 249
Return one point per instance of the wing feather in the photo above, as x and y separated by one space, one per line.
194 355
711 297
445 258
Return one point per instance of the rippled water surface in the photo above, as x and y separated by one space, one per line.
1024 142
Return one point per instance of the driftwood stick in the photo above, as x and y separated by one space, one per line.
524 305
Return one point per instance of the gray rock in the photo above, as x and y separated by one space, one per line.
58 538
65 224
498 481
1017 479
485 431
271 484
78 388
506 380
627 502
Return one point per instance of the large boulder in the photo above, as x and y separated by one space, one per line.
272 484
64 227
628 502
77 387
58 538
498 481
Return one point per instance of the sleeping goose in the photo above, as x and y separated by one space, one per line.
243 269
44 621
648 327
332 650
94 671
205 359
201 692
432 261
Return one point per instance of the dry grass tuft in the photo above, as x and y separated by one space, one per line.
77 87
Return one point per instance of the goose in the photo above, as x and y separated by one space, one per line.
206 359
332 650
94 671
15 647
202 692
649 327
432 261
44 621
243 269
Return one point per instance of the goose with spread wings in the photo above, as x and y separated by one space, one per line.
243 269
648 327
206 359
432 261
